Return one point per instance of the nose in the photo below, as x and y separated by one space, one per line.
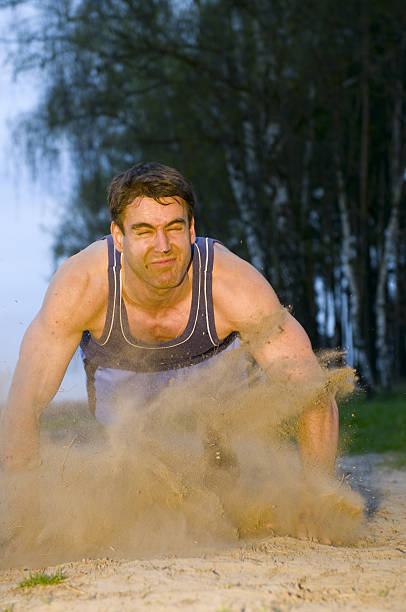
162 243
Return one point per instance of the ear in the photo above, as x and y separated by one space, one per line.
117 236
192 231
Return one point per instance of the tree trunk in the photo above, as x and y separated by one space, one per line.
389 252
360 353
244 200
390 245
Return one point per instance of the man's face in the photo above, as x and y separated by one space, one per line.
156 241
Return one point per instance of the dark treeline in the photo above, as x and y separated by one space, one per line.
289 118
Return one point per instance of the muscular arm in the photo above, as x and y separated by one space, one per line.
45 353
39 372
282 348
289 353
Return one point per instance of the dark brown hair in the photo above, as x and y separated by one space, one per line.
152 180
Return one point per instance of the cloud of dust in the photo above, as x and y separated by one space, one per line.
209 462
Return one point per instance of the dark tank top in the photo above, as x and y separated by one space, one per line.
118 349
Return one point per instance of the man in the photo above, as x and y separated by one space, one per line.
147 304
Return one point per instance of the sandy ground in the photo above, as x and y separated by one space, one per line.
278 573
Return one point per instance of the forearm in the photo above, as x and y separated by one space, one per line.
20 461
32 388
19 428
318 435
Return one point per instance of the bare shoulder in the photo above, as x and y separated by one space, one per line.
241 294
78 289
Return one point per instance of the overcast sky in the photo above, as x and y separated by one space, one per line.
29 212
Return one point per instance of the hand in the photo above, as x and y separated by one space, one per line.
20 510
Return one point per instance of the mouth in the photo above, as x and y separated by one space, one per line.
163 262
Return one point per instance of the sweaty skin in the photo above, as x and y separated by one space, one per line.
157 290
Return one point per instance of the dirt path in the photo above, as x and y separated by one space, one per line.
279 573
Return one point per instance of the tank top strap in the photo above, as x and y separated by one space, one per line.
113 306
206 309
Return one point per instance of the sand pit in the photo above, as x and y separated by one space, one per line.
273 573
199 501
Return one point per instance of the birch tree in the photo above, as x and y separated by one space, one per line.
397 168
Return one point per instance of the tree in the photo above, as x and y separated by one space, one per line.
288 118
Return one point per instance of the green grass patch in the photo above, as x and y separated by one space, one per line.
67 415
42 578
376 425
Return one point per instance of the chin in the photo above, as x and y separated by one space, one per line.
168 283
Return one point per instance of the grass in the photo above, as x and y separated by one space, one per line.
61 421
376 425
41 578
66 415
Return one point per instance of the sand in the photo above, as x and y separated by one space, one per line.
261 574
197 500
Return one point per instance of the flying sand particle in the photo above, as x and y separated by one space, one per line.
211 461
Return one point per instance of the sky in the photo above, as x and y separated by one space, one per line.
29 214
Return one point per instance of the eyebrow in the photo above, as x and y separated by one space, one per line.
148 225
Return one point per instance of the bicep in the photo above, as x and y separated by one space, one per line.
247 303
285 348
284 337
51 340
